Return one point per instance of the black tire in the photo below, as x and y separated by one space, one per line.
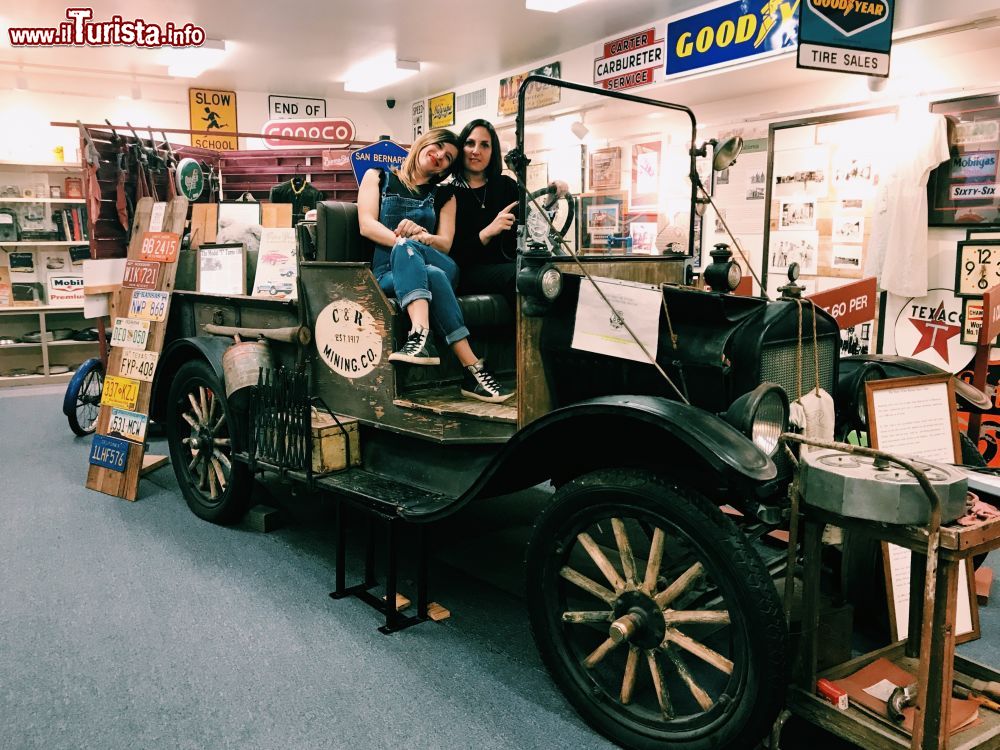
731 710
83 397
201 436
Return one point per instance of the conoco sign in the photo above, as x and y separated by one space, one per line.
335 130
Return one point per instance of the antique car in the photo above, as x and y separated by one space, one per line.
648 599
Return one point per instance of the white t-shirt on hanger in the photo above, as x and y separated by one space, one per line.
897 246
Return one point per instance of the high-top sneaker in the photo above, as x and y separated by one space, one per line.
479 383
418 349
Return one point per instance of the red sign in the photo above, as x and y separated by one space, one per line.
160 246
337 158
629 61
849 304
140 274
991 314
338 129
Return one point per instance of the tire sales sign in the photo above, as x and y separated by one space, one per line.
150 305
120 392
130 333
139 365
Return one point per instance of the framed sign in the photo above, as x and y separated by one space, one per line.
222 269
237 212
606 168
963 190
442 109
600 216
645 174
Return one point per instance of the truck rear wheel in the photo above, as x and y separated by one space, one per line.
654 616
200 431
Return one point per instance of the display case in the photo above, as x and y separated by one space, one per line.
43 344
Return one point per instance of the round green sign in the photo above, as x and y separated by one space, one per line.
190 179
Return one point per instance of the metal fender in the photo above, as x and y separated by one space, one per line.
179 351
896 366
623 431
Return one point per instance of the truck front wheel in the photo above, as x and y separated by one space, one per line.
654 615
200 431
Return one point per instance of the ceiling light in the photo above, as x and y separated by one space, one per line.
191 62
550 6
375 72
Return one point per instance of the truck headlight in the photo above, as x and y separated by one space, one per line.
761 415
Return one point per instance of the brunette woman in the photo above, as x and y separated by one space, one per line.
411 221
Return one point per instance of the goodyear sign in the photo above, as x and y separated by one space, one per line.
848 36
630 61
213 112
731 33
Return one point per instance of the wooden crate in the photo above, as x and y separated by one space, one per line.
329 445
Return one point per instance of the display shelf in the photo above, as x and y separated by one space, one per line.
31 355
29 166
36 243
43 200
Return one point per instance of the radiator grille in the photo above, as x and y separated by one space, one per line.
778 365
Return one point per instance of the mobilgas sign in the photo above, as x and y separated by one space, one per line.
731 33
848 36
382 155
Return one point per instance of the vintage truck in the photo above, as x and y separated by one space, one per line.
651 606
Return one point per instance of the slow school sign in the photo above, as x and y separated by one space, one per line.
382 155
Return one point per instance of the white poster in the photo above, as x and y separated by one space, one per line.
601 329
276 268
794 247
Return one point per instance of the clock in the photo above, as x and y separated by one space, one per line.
978 267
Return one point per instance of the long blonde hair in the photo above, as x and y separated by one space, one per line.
407 170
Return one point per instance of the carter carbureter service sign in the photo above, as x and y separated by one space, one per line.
730 33
631 60
848 36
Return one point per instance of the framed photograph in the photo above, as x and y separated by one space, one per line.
55 191
606 169
643 229
442 110
797 213
962 189
222 269
238 212
645 174
600 216
848 227
794 247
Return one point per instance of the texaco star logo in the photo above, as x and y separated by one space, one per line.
935 332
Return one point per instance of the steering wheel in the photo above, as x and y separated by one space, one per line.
558 209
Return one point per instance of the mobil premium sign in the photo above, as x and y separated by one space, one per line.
729 33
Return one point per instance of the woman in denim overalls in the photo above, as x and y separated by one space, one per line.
412 227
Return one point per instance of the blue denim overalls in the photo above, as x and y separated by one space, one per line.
411 270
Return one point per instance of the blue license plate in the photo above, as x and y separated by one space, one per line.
109 452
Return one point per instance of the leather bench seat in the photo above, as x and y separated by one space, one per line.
338 239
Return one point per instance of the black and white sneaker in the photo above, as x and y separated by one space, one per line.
418 349
479 383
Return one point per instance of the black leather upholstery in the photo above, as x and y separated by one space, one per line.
338 239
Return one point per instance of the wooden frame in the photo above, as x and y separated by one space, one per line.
605 171
591 205
229 276
949 451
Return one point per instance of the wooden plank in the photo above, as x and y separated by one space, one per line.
151 462
437 613
125 484
984 581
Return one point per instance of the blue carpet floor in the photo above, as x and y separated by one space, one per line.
136 625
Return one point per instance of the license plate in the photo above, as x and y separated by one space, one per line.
130 334
138 365
149 305
121 392
109 452
141 274
129 425
160 246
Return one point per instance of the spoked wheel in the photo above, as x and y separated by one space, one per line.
199 430
82 402
558 210
654 616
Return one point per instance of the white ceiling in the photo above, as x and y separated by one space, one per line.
303 48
